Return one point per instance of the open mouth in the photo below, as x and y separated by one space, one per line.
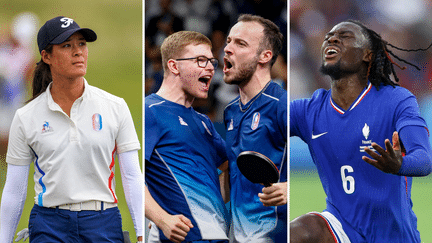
205 79
330 52
227 65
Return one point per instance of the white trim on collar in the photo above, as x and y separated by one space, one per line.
368 88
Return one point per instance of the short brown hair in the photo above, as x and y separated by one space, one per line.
173 46
273 38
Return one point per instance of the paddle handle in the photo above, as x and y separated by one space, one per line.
267 184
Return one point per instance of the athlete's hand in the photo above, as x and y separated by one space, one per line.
175 227
23 234
274 195
389 160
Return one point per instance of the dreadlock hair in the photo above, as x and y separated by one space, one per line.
382 65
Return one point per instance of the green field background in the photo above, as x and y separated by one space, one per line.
114 63
307 194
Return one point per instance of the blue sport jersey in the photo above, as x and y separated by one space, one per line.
182 152
371 205
261 126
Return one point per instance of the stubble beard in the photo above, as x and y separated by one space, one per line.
334 71
244 74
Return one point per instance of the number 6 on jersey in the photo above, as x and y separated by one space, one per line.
346 179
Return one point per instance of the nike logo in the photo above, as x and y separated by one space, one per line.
318 135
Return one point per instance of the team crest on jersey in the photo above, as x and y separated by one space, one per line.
206 128
46 127
97 122
366 143
255 120
231 125
182 122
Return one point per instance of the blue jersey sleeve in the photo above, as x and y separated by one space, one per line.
297 118
219 144
407 110
413 134
418 159
282 115
152 132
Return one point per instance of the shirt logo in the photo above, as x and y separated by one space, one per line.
67 22
46 127
367 143
255 120
97 122
318 135
366 131
206 128
182 122
231 125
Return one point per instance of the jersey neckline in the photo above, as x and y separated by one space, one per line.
353 105
163 100
244 108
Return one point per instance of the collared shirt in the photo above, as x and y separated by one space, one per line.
73 155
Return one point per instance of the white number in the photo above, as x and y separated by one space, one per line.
346 179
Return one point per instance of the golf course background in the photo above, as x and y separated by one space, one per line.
114 63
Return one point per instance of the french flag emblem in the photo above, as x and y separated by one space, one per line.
97 122
255 120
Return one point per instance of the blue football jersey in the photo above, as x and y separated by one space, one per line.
182 152
261 126
372 206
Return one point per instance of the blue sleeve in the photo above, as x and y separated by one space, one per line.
297 117
418 159
408 112
282 115
219 144
152 132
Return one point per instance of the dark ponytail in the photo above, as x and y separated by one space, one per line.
41 76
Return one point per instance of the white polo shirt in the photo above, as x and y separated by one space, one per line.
73 156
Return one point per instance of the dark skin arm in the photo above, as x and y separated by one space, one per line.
310 228
389 160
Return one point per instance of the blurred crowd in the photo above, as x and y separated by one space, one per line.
212 18
403 23
17 61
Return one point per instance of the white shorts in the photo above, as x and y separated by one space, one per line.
334 226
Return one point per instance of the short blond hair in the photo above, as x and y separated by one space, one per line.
173 46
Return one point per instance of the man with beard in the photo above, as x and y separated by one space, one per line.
256 121
368 198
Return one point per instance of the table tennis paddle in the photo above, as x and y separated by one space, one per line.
257 168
